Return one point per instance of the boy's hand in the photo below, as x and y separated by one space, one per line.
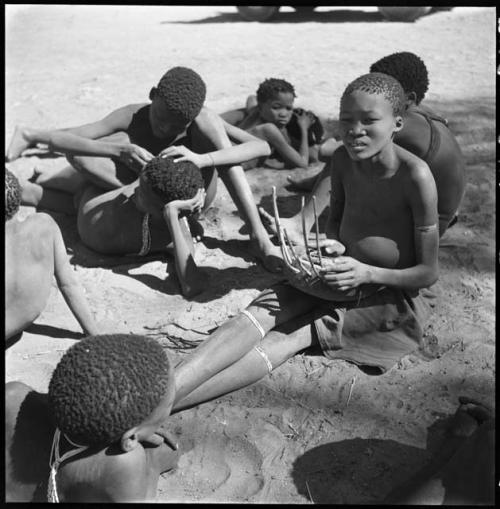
134 156
192 205
330 246
345 273
184 155
304 118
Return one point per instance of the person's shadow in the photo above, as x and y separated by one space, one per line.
361 471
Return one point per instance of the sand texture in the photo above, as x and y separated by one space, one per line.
292 438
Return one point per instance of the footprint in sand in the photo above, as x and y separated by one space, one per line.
218 468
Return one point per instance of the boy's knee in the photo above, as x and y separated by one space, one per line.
15 389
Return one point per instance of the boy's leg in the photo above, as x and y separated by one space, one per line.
104 172
239 189
67 179
18 144
235 338
49 199
236 183
278 346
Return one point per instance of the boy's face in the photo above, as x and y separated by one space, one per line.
146 200
165 123
278 110
152 424
367 124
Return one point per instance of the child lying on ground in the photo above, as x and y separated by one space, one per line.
34 254
424 134
110 152
145 216
293 134
96 436
384 211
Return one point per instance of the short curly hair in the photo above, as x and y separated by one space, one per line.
106 384
408 69
12 194
172 181
183 91
379 83
271 87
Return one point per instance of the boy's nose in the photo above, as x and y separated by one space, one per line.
357 130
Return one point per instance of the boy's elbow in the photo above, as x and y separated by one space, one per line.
431 277
264 148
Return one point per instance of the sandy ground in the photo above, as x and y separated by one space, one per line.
291 438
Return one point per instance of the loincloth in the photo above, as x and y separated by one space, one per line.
376 331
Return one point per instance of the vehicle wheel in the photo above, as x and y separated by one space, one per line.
259 13
305 9
403 13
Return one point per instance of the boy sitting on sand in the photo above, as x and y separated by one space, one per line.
96 436
293 134
384 211
110 152
34 254
145 216
424 134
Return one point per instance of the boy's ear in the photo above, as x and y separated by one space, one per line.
130 439
152 93
399 123
411 98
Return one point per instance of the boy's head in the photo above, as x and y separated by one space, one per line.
12 195
409 70
370 114
163 180
106 386
275 101
176 101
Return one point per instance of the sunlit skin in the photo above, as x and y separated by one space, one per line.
268 120
126 471
447 165
366 126
278 110
93 151
384 211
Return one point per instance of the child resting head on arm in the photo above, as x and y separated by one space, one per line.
98 430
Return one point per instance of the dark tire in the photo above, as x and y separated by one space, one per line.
259 13
304 9
403 13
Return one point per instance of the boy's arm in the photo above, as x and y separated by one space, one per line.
117 120
422 196
187 271
290 156
69 287
218 132
68 143
337 198
421 191
233 117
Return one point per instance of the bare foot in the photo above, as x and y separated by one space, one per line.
302 184
18 144
292 227
268 254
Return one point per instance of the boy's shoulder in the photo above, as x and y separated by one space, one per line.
39 226
414 169
114 475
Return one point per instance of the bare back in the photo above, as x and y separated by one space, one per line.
29 263
110 223
431 140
